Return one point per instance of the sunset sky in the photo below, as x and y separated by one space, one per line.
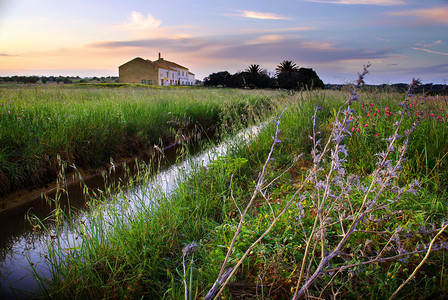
401 38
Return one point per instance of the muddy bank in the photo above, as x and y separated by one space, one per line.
20 201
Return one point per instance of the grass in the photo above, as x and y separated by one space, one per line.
86 125
141 255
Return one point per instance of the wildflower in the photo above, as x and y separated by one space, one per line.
9 112
377 134
353 129
371 104
366 125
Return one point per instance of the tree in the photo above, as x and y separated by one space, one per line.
256 77
286 67
237 80
254 70
308 79
287 74
216 79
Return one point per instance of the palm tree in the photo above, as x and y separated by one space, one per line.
254 69
287 75
286 68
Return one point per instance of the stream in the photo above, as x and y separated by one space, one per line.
23 247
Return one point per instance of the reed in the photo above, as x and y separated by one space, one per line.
362 239
88 126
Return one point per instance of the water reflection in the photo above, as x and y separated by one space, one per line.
24 247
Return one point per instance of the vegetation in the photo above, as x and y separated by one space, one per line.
350 218
86 126
288 76
56 79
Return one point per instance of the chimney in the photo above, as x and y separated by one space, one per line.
159 55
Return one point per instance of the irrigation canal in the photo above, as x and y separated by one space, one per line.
23 247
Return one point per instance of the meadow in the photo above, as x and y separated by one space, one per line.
342 194
88 125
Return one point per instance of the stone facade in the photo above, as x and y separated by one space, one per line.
160 72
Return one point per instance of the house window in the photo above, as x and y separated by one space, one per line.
143 81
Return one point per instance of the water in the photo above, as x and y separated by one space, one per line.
24 247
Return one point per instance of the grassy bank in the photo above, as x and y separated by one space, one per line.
86 125
330 213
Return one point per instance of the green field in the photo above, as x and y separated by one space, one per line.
87 125
346 218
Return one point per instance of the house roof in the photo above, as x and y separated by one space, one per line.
160 63
169 64
163 66
139 59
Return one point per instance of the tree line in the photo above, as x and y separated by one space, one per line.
287 76
57 79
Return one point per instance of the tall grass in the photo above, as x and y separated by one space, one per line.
144 254
88 126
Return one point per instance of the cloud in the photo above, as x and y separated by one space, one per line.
241 49
186 44
381 39
430 51
429 45
138 21
362 2
435 15
430 71
264 39
300 51
276 30
258 15
6 55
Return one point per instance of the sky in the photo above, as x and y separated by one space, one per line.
402 39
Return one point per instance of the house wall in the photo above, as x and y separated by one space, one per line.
191 79
166 77
183 76
138 71
162 73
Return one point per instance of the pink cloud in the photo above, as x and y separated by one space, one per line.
430 51
259 15
435 15
362 2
